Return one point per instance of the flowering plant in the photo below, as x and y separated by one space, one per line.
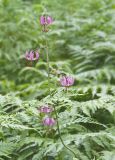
65 81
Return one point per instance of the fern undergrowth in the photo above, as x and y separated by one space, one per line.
82 44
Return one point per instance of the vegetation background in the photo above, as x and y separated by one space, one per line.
82 44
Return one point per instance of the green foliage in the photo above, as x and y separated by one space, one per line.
81 43
83 126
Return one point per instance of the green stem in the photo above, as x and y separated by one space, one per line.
48 66
58 128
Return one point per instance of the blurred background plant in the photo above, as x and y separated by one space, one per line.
81 43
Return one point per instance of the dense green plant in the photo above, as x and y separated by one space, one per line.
81 43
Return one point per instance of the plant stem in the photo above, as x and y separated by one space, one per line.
48 65
58 128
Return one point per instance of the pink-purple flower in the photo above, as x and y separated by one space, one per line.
46 109
49 121
66 81
32 55
46 20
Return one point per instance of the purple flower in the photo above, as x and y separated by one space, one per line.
49 121
46 109
46 20
49 20
31 55
66 81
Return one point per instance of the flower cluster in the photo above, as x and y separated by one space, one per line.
66 81
47 121
46 109
31 55
45 21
